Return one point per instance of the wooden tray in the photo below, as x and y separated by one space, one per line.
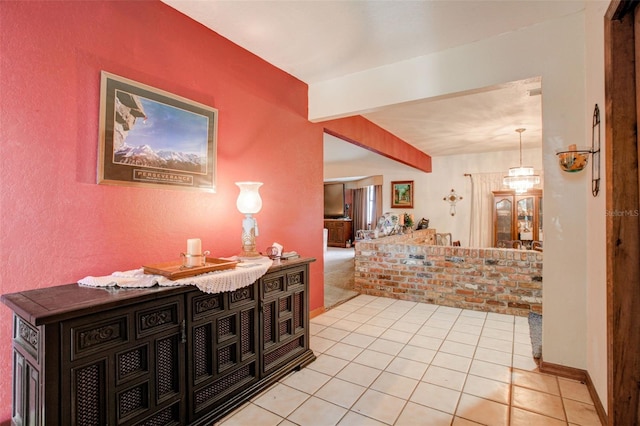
174 270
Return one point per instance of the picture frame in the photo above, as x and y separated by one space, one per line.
152 138
402 194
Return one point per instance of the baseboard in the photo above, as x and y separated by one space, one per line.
580 375
604 419
316 312
563 371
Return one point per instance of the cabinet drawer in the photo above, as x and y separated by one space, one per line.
158 318
106 331
296 278
88 338
274 285
205 305
242 296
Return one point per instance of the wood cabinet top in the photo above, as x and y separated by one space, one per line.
52 304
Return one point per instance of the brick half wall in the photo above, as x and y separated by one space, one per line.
408 267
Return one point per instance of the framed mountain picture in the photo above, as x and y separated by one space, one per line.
153 138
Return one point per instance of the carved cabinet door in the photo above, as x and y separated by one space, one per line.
284 307
221 348
125 366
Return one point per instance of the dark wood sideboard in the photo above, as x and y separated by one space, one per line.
155 356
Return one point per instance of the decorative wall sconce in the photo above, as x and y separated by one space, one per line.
575 159
452 199
249 203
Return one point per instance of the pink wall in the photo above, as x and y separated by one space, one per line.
58 226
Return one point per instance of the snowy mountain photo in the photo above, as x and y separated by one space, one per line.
145 156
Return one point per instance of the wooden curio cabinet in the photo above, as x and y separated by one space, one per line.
155 356
517 216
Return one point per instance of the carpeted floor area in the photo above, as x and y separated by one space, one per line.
339 267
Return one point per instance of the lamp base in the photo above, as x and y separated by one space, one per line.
249 254
249 232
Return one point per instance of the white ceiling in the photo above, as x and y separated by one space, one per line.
321 40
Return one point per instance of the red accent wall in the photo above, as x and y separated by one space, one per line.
58 225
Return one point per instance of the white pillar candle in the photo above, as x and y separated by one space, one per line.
194 246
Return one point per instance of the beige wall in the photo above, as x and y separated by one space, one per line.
595 209
557 52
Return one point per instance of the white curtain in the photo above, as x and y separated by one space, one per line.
481 229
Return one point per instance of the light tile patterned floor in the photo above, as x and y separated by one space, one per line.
383 361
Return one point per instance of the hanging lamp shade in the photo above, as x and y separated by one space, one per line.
521 178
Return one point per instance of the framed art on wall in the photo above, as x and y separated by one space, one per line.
402 194
153 138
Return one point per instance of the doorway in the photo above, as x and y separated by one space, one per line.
339 276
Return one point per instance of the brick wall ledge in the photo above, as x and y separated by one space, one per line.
409 267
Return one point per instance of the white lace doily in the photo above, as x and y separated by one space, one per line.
243 275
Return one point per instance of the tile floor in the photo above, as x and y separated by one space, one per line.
382 361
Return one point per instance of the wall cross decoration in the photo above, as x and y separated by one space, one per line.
452 198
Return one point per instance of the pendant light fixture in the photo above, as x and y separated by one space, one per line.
521 178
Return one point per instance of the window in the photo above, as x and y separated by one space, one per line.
371 206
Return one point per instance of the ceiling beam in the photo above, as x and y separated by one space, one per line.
363 133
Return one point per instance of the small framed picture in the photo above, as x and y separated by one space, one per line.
402 194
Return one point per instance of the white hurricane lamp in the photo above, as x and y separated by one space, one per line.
249 203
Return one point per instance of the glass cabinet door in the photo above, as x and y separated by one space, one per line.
504 224
525 218
517 217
